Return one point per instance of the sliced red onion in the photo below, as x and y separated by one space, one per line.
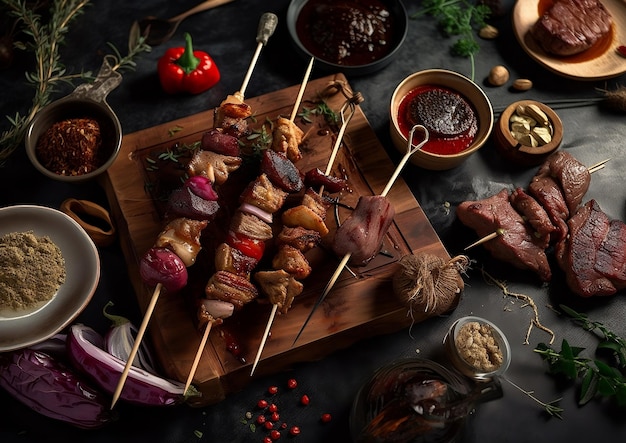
86 351
202 187
160 265
218 308
251 209
120 339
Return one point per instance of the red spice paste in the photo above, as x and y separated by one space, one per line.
451 120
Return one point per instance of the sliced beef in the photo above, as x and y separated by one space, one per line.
611 257
570 27
517 245
588 229
548 193
534 214
572 176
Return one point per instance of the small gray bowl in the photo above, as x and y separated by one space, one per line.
86 101
401 25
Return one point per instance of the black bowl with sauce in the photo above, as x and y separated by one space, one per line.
325 30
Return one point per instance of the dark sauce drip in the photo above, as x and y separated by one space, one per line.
349 33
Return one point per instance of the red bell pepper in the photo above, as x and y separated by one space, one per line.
250 247
184 70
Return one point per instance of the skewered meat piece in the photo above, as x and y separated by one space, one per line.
264 195
572 176
217 141
233 260
361 235
304 217
315 202
293 261
280 287
534 214
231 288
593 256
182 236
517 245
286 139
250 226
315 178
222 165
548 193
183 202
231 117
298 237
281 171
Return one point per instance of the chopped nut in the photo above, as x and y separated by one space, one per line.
488 32
522 84
530 126
498 75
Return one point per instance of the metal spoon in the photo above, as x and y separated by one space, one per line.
160 30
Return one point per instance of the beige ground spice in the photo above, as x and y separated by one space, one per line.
32 269
478 347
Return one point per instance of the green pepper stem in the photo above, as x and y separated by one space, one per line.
188 62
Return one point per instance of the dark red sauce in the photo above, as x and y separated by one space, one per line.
349 33
438 143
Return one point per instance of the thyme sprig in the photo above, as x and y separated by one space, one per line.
597 377
458 18
44 39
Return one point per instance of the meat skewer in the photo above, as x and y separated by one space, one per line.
591 169
349 104
267 25
380 201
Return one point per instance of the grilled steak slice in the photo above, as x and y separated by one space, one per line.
611 257
517 245
570 174
548 193
570 27
588 229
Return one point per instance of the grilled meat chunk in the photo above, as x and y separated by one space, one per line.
298 237
280 287
182 236
281 171
221 165
251 226
293 261
286 139
231 288
264 195
534 214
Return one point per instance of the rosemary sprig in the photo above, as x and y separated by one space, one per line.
597 377
458 18
44 40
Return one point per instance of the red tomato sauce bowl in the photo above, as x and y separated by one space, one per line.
454 109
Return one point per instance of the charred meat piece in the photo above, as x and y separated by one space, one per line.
217 141
315 202
306 218
534 214
183 202
233 260
298 237
281 171
251 226
231 118
588 229
264 195
361 235
182 236
230 288
293 261
315 178
213 165
286 139
570 27
517 245
280 287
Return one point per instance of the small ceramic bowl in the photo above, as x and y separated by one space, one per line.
455 83
297 14
517 153
86 101
461 364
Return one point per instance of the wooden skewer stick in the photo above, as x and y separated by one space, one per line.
498 232
411 149
133 352
196 360
294 112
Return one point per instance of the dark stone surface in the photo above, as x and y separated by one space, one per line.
227 33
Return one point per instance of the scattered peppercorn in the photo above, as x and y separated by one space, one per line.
275 416
262 404
272 408
326 418
268 425
621 50
294 430
273 390
275 435
305 400
260 419
292 383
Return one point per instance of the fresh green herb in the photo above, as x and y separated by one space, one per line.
458 18
552 408
173 131
44 38
320 108
597 377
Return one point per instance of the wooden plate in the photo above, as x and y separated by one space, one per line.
359 306
603 63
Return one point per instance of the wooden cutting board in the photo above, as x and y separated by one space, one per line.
360 305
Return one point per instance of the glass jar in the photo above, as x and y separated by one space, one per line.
415 401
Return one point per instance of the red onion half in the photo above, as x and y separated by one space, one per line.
85 348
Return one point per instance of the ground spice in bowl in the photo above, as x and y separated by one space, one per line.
477 345
32 269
